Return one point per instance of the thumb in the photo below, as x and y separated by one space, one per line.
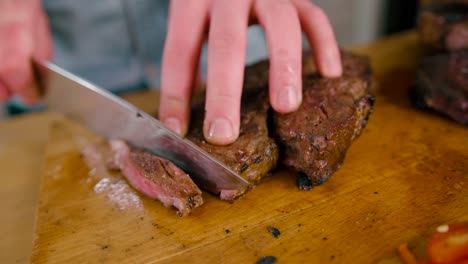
15 53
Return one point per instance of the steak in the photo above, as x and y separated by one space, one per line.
254 154
445 26
314 139
151 175
442 85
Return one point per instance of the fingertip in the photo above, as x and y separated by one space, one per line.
332 71
174 113
174 124
330 65
220 131
287 99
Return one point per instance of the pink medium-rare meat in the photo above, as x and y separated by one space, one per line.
156 177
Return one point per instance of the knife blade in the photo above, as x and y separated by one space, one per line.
114 118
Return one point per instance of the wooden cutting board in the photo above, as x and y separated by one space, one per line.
405 175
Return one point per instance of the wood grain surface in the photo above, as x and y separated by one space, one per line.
405 175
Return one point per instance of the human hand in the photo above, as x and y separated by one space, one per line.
283 22
24 34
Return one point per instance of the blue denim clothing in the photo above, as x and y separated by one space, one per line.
117 44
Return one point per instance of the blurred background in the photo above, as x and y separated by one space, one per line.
361 21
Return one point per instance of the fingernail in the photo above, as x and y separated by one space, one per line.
287 99
174 124
334 70
221 131
332 66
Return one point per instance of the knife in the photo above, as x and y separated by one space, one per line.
114 118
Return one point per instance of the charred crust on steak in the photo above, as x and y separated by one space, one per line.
258 159
243 167
318 142
416 95
303 182
372 100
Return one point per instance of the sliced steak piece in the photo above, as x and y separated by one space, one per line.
442 85
445 26
254 154
156 177
315 138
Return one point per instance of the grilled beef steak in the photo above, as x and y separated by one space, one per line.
442 85
346 102
254 154
315 138
445 26
153 176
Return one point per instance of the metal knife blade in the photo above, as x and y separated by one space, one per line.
114 118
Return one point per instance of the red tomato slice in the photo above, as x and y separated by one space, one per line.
449 244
